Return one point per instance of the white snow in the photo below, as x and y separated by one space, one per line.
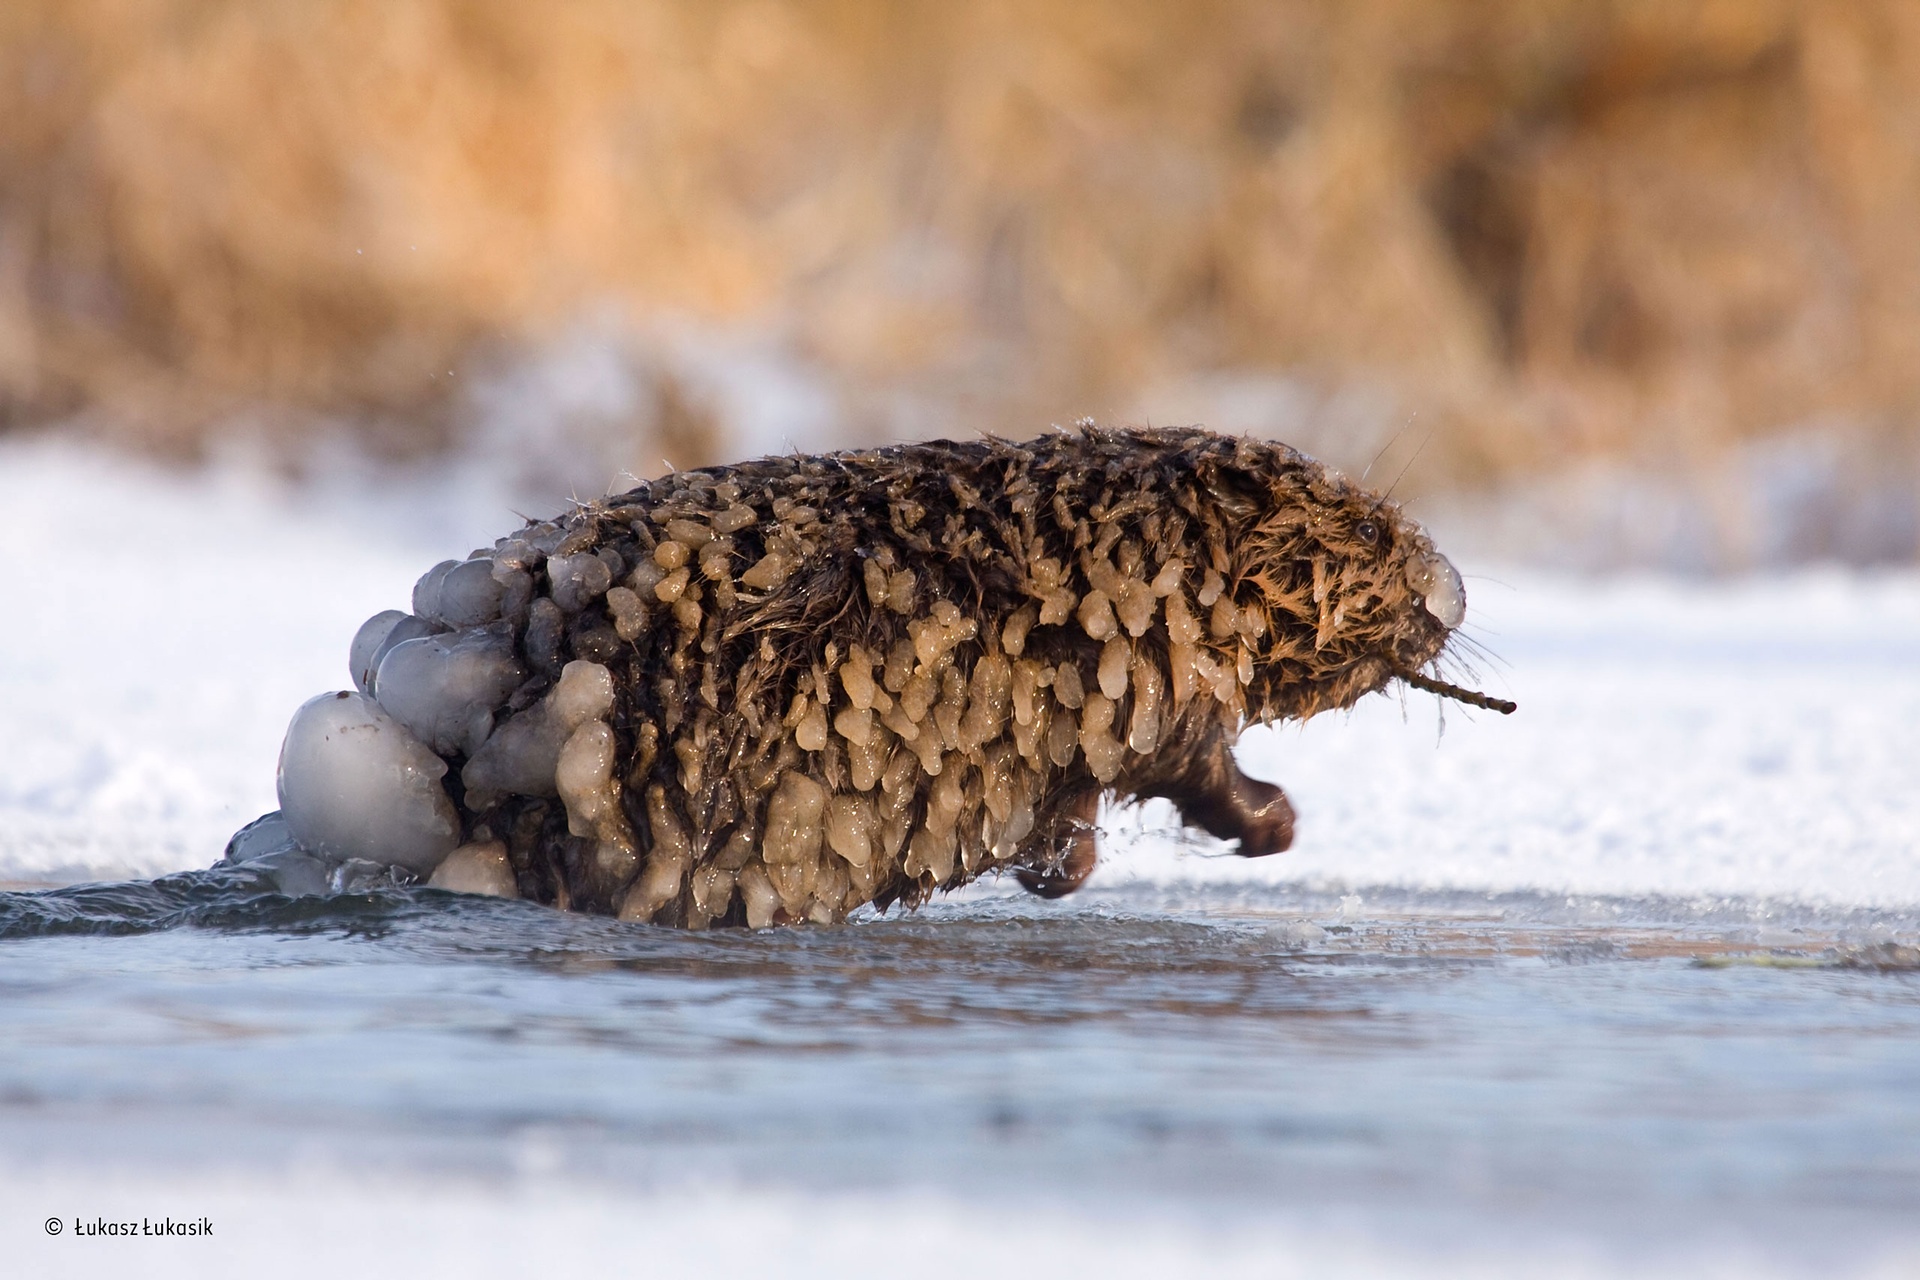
145 686
1758 737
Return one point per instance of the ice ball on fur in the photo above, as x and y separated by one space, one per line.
426 592
477 868
266 834
522 757
469 595
369 642
377 638
1438 583
355 784
445 688
266 848
578 580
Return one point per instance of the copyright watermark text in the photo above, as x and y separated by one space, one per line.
84 1227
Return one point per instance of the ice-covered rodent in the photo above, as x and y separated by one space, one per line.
780 690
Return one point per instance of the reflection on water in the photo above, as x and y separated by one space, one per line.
1471 1062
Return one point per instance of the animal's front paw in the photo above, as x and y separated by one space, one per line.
1228 805
1077 854
1262 814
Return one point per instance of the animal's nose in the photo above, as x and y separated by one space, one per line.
1438 583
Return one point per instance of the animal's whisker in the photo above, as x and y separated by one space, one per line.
1424 441
1477 650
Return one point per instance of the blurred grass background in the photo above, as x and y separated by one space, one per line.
1643 275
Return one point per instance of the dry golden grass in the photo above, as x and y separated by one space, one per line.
1637 227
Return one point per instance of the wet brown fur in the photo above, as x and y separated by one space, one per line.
1235 576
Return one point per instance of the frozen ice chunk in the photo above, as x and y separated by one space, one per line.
578 580
524 752
360 875
355 784
585 692
426 592
516 595
266 848
445 688
371 640
477 868
1438 582
584 777
296 873
544 537
469 595
546 627
512 553
409 627
459 593
264 835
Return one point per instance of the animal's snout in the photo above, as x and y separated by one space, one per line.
1438 584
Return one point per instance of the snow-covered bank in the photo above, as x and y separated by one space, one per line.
1757 738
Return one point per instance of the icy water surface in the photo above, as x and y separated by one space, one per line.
1647 1077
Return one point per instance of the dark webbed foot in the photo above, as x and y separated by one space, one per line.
1078 852
1222 801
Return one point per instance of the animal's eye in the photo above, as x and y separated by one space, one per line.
1367 531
